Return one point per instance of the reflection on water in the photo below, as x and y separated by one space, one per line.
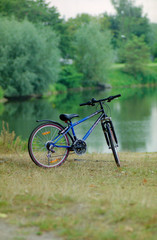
134 116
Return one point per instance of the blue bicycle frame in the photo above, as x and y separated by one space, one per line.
72 125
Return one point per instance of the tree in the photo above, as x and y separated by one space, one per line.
93 53
136 56
69 31
153 40
70 77
37 12
128 21
29 58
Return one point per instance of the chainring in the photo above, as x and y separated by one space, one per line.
80 147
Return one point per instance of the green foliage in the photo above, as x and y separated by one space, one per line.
1 108
153 40
128 21
1 93
57 88
79 20
35 11
38 12
70 77
29 58
146 77
136 56
93 53
68 33
120 78
72 25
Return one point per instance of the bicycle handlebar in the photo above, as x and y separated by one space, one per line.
93 100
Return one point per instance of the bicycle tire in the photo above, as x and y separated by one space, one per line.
112 145
37 146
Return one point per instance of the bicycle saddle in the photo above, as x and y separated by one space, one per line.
68 117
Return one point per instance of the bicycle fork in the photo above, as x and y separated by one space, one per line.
110 125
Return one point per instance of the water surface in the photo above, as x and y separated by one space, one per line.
134 116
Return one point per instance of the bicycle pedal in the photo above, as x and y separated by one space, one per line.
53 151
49 155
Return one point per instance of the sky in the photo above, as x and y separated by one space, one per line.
70 8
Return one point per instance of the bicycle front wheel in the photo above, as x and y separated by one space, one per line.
37 146
113 145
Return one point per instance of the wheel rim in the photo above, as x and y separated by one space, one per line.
43 157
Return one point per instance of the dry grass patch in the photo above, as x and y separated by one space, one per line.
89 198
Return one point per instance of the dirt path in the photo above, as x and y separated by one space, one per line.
12 232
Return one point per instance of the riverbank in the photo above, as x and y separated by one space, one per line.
88 197
119 78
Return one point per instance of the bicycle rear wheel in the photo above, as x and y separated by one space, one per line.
37 146
113 145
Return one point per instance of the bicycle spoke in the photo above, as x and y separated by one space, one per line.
38 150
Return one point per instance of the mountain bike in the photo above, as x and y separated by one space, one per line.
50 143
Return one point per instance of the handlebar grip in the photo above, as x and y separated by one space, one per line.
119 95
112 97
87 103
93 100
82 104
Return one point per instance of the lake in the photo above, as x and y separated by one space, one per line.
134 116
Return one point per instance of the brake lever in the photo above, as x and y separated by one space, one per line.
110 99
93 101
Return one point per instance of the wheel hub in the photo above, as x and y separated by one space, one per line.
50 147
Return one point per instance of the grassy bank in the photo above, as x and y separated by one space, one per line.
118 78
89 199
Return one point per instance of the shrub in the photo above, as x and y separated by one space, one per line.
70 77
29 58
9 141
1 93
93 53
136 56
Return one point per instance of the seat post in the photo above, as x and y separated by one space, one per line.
72 129
101 106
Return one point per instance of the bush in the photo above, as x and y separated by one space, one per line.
119 78
8 140
137 56
93 53
29 58
1 93
57 87
70 77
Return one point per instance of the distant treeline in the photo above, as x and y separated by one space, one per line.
41 52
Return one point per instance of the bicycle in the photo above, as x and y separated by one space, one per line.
50 142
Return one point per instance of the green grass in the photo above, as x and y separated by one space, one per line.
89 199
118 78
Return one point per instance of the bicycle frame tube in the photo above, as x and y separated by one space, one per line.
92 128
72 125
